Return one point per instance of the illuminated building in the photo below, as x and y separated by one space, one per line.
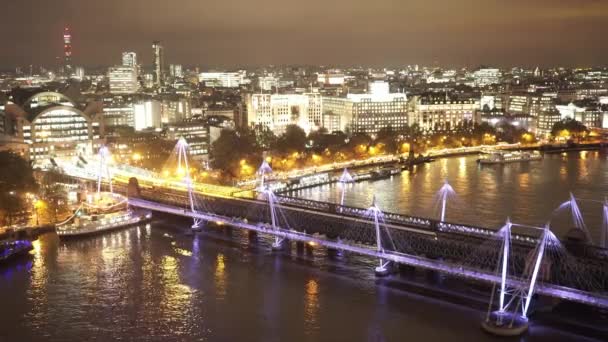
123 80
361 113
223 79
129 59
159 60
176 70
277 111
79 73
175 109
545 121
53 126
266 83
331 78
67 49
486 76
119 114
147 115
439 113
590 113
196 133
376 110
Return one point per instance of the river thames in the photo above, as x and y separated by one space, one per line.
154 283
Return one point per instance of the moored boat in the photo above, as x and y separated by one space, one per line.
501 157
106 212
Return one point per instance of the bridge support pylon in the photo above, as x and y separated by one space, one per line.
383 265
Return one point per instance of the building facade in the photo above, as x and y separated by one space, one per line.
123 80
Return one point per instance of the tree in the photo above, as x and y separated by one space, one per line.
293 140
569 127
16 179
265 137
388 137
231 148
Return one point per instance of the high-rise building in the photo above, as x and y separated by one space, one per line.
79 73
67 49
159 60
176 70
123 80
129 59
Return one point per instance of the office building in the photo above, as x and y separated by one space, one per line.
545 121
176 71
196 133
277 111
175 109
159 60
123 80
53 126
441 113
223 79
331 78
486 76
377 109
147 115
129 59
119 114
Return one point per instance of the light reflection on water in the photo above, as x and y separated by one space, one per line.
487 195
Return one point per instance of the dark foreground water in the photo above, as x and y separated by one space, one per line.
153 283
156 284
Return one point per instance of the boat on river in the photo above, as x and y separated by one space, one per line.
10 249
100 213
502 157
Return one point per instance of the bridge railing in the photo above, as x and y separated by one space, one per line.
389 217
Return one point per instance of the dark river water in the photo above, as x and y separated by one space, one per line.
154 283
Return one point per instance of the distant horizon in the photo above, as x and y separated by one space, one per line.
543 33
227 68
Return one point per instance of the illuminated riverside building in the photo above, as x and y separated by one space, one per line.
545 121
359 113
53 126
377 110
433 113
277 111
123 80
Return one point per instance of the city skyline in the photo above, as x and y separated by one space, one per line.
467 33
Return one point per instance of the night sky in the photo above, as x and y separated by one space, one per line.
346 32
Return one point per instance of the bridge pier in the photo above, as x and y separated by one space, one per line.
198 226
383 269
253 235
299 247
278 244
